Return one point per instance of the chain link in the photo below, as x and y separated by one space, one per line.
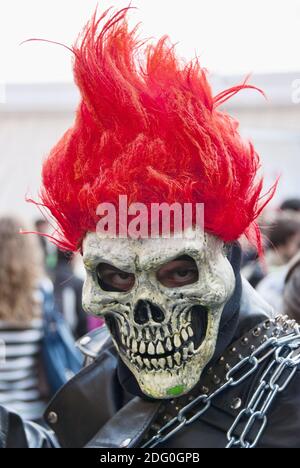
253 419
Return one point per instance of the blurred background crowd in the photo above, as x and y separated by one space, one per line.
37 104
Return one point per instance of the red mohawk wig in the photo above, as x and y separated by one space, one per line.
148 127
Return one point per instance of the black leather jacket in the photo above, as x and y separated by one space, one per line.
93 410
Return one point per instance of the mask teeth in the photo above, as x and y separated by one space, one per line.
151 349
139 361
154 363
142 349
161 363
140 345
134 346
160 348
177 358
177 340
164 363
170 361
147 363
169 344
184 335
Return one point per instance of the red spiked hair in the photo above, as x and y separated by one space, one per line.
148 127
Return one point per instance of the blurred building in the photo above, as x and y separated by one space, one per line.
33 117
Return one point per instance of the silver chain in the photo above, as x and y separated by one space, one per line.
252 420
274 380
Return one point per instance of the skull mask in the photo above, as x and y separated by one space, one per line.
163 320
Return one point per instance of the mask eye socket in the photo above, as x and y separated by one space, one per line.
179 272
112 279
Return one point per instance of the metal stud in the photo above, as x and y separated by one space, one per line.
236 403
267 324
85 340
216 379
245 341
256 332
125 443
233 350
52 418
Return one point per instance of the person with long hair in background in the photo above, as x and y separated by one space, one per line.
21 325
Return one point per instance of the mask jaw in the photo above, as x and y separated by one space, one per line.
169 385
167 357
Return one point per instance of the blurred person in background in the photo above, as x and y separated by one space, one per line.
284 241
68 293
291 205
289 208
283 236
21 325
284 245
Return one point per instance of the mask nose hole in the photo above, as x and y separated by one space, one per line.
145 311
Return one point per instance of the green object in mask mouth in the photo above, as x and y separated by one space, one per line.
175 391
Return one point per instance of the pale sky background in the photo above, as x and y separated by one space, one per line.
230 36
